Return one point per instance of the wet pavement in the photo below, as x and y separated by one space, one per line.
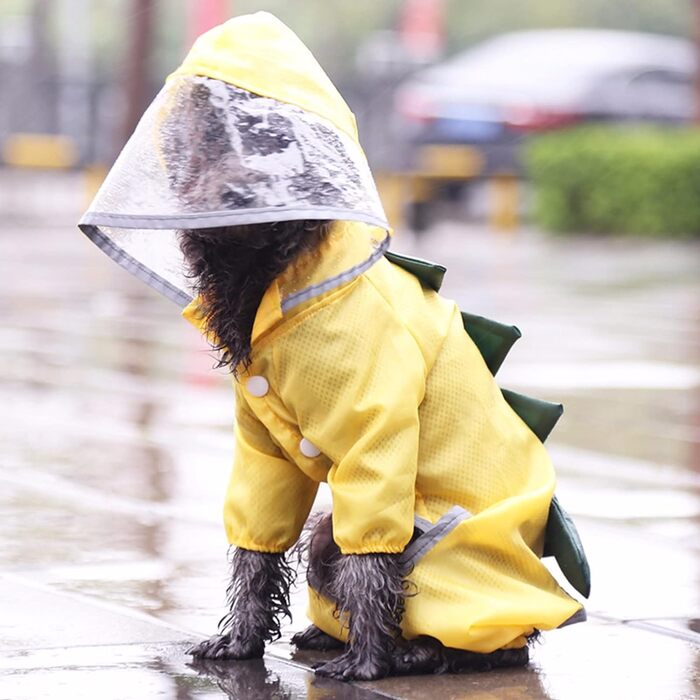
115 445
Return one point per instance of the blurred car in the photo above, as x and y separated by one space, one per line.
492 96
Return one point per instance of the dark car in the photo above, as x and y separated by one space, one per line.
495 94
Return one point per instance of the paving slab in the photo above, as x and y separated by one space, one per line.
62 645
601 660
115 448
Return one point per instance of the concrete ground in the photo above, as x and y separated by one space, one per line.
115 443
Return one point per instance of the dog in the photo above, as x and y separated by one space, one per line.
245 198
231 268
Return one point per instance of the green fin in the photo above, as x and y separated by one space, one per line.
562 541
540 416
429 274
493 339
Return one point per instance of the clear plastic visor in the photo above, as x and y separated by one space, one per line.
209 154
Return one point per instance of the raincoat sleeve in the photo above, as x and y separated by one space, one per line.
268 497
363 379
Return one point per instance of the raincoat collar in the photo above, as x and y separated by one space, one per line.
350 249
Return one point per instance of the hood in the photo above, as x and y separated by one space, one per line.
249 129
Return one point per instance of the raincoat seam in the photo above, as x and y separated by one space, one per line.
402 323
245 85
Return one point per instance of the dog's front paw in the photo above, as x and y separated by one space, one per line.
224 646
351 667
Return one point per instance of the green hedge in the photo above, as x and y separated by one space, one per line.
615 179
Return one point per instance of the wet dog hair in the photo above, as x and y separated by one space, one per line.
232 266
258 600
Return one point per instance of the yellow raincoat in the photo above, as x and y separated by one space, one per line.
375 388
361 376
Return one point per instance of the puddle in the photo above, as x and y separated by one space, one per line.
116 440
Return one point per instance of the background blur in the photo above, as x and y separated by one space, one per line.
547 152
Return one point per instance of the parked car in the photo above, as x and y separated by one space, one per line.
492 96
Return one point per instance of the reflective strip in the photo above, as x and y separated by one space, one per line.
443 527
332 282
422 524
260 215
108 246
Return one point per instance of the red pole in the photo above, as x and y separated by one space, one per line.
138 63
203 15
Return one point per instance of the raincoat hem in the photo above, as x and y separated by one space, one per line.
254 547
373 548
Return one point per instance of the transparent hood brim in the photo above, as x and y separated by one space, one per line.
208 154
227 218
170 279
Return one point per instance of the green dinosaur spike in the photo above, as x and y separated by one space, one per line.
562 541
428 273
494 340
540 416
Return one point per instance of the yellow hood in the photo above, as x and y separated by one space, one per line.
248 130
262 55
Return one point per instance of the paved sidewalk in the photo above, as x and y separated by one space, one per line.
115 447
72 646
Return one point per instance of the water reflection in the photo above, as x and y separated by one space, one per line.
271 680
115 441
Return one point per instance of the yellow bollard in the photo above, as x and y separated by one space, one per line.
390 188
45 151
504 199
94 176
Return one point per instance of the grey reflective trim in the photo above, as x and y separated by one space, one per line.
422 524
578 616
443 527
261 215
105 243
332 282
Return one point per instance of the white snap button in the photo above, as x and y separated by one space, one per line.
257 386
308 449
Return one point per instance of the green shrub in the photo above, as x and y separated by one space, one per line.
617 179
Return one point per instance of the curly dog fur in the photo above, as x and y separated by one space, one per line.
231 268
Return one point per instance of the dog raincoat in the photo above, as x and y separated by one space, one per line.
362 375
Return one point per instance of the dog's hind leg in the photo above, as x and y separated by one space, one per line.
427 655
315 639
459 660
418 656
258 596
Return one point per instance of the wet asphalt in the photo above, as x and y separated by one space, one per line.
115 445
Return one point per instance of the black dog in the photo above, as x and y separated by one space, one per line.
231 269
